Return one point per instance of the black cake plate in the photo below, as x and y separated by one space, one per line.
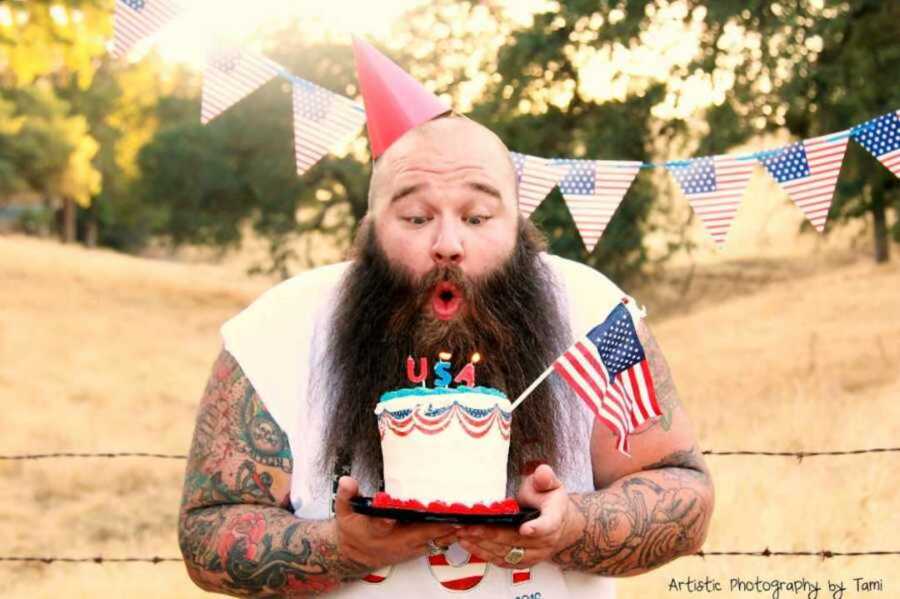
363 505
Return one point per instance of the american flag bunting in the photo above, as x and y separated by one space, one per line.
714 186
608 370
808 171
322 121
232 74
536 177
135 20
593 190
881 137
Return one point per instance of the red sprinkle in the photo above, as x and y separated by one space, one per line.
505 506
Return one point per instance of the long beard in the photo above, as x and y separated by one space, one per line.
510 317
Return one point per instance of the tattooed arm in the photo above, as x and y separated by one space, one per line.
236 531
649 509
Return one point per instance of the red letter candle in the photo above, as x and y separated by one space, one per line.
467 374
411 369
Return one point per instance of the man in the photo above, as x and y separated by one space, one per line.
443 261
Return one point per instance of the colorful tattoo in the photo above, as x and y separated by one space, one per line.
236 530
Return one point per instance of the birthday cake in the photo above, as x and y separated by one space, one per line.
445 450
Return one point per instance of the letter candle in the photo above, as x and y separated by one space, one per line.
442 370
411 370
466 376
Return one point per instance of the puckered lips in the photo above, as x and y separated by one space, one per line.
446 300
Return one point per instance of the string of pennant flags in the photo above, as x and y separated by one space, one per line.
714 186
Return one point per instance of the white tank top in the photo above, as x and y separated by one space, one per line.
280 342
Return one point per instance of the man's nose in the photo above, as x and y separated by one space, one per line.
447 248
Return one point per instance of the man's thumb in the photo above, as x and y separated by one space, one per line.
544 479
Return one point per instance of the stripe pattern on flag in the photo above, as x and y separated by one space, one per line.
135 20
231 74
881 137
536 177
462 577
323 121
808 171
593 190
714 187
608 370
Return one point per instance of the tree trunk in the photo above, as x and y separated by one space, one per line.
92 227
882 245
68 229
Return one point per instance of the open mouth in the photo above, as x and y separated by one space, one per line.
446 300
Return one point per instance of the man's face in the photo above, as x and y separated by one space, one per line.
444 194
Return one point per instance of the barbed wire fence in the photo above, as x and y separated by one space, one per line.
155 560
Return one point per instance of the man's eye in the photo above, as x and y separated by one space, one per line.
477 220
416 220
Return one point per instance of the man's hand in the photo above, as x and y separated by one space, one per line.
379 542
541 538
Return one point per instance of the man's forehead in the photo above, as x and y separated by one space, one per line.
449 147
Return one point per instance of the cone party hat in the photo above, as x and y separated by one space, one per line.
395 101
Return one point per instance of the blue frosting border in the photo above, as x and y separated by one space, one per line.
410 391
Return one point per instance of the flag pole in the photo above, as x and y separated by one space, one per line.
532 387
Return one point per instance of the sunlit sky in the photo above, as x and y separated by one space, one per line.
608 73
239 20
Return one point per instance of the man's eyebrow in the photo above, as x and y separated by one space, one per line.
485 188
476 186
405 191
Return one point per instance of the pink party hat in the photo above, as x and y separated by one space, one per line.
395 102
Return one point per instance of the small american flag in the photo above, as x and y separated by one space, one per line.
808 171
322 121
881 137
536 177
608 370
714 187
230 75
593 189
135 20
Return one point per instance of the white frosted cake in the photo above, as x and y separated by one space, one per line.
445 449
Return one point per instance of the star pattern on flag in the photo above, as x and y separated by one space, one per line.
581 178
134 4
617 341
519 164
698 176
788 164
312 101
225 60
881 137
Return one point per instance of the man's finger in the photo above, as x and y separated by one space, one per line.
348 488
543 525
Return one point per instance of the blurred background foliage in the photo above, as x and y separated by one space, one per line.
112 152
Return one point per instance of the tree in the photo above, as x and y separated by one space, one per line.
52 152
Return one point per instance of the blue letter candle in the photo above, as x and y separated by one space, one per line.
442 376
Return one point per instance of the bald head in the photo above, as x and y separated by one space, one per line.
446 143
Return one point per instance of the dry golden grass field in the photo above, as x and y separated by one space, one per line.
104 352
